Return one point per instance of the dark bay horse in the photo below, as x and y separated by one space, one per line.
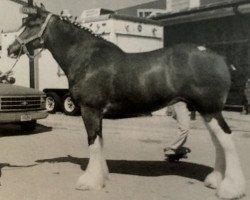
105 81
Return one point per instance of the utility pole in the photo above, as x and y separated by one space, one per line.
31 60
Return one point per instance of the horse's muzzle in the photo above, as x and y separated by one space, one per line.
14 50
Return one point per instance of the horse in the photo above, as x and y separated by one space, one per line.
107 82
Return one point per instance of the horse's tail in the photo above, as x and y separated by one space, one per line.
223 124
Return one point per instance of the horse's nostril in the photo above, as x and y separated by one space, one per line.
8 51
11 51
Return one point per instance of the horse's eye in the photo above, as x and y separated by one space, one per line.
30 21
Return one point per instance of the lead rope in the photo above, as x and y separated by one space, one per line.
12 67
19 55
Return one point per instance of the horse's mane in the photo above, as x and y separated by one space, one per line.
76 25
80 27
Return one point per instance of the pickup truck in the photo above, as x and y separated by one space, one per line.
20 105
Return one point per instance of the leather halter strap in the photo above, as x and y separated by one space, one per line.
24 42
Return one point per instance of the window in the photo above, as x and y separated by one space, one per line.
140 14
143 14
148 12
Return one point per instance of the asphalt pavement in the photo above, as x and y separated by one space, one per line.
46 164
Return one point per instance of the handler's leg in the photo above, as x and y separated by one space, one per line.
97 170
183 120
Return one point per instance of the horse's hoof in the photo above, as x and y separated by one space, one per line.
213 180
83 187
90 182
88 186
230 190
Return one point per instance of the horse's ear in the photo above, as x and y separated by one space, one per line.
43 7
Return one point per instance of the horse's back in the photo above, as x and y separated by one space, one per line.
161 77
205 78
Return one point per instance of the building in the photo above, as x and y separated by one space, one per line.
223 27
10 16
163 6
212 2
144 10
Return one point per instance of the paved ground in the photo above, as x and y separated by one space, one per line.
46 164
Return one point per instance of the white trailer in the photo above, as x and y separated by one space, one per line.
131 34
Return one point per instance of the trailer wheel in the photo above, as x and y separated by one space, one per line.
53 102
69 107
28 126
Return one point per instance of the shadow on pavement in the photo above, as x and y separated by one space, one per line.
144 168
2 165
7 130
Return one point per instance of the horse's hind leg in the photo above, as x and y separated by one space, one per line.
227 176
97 170
214 179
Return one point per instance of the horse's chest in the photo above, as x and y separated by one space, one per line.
94 90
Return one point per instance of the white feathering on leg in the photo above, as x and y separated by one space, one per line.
233 184
97 170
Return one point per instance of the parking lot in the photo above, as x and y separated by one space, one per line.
46 164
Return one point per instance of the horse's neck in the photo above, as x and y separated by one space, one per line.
63 42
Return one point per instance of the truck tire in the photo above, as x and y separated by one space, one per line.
53 102
69 107
28 126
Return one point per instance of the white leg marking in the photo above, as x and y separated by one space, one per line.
214 179
97 170
233 184
104 163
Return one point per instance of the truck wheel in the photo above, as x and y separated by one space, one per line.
69 107
53 102
28 126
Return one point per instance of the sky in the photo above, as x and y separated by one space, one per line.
10 17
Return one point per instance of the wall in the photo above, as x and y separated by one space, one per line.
10 16
228 36
132 11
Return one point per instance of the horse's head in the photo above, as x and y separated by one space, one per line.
32 36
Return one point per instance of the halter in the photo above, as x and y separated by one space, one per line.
39 35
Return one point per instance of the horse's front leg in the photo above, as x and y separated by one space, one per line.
97 170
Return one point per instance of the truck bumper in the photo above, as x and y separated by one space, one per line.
9 117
